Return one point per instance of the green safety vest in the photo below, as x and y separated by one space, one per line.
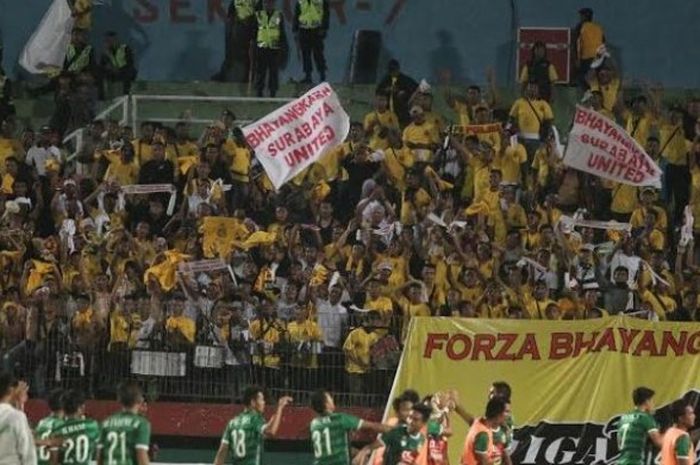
244 9
80 62
118 58
269 29
311 14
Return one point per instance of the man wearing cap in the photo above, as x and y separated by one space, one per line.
44 150
310 27
589 37
421 136
117 63
647 198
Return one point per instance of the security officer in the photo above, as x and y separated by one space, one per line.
117 62
240 40
80 56
310 28
271 45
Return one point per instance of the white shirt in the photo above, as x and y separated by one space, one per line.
16 440
37 157
331 319
631 262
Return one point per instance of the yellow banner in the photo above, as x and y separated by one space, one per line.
570 379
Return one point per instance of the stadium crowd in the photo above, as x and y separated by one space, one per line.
317 282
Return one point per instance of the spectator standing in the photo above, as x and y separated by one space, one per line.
271 45
180 328
117 64
240 41
305 338
589 37
357 352
16 440
42 151
540 70
399 87
310 26
531 114
80 56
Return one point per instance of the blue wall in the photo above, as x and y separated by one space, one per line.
657 40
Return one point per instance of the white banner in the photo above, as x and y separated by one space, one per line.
294 136
46 48
599 146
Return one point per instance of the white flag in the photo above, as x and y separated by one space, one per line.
294 136
47 47
599 146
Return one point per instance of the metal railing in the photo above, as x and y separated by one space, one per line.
202 371
129 107
76 138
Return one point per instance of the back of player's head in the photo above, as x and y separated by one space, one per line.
410 395
501 389
7 382
72 401
641 395
678 408
250 393
495 407
424 410
55 400
318 400
129 394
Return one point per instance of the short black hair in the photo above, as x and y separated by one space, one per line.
318 401
250 393
424 410
55 400
495 407
410 395
128 394
678 409
642 394
502 390
7 381
72 401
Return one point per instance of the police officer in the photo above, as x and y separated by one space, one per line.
80 56
271 44
310 27
117 62
240 40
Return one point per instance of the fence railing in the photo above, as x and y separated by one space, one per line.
204 371
75 139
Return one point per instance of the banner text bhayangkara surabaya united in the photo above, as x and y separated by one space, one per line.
560 345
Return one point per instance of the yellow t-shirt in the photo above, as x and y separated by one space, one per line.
658 304
463 113
536 309
426 133
240 164
333 160
609 91
186 326
381 304
307 331
396 162
374 121
118 329
487 310
9 148
420 200
408 311
357 350
122 173
639 127
269 334
510 162
186 149
529 120
676 146
590 39
624 199
638 215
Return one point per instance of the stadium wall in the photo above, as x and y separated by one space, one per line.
432 38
